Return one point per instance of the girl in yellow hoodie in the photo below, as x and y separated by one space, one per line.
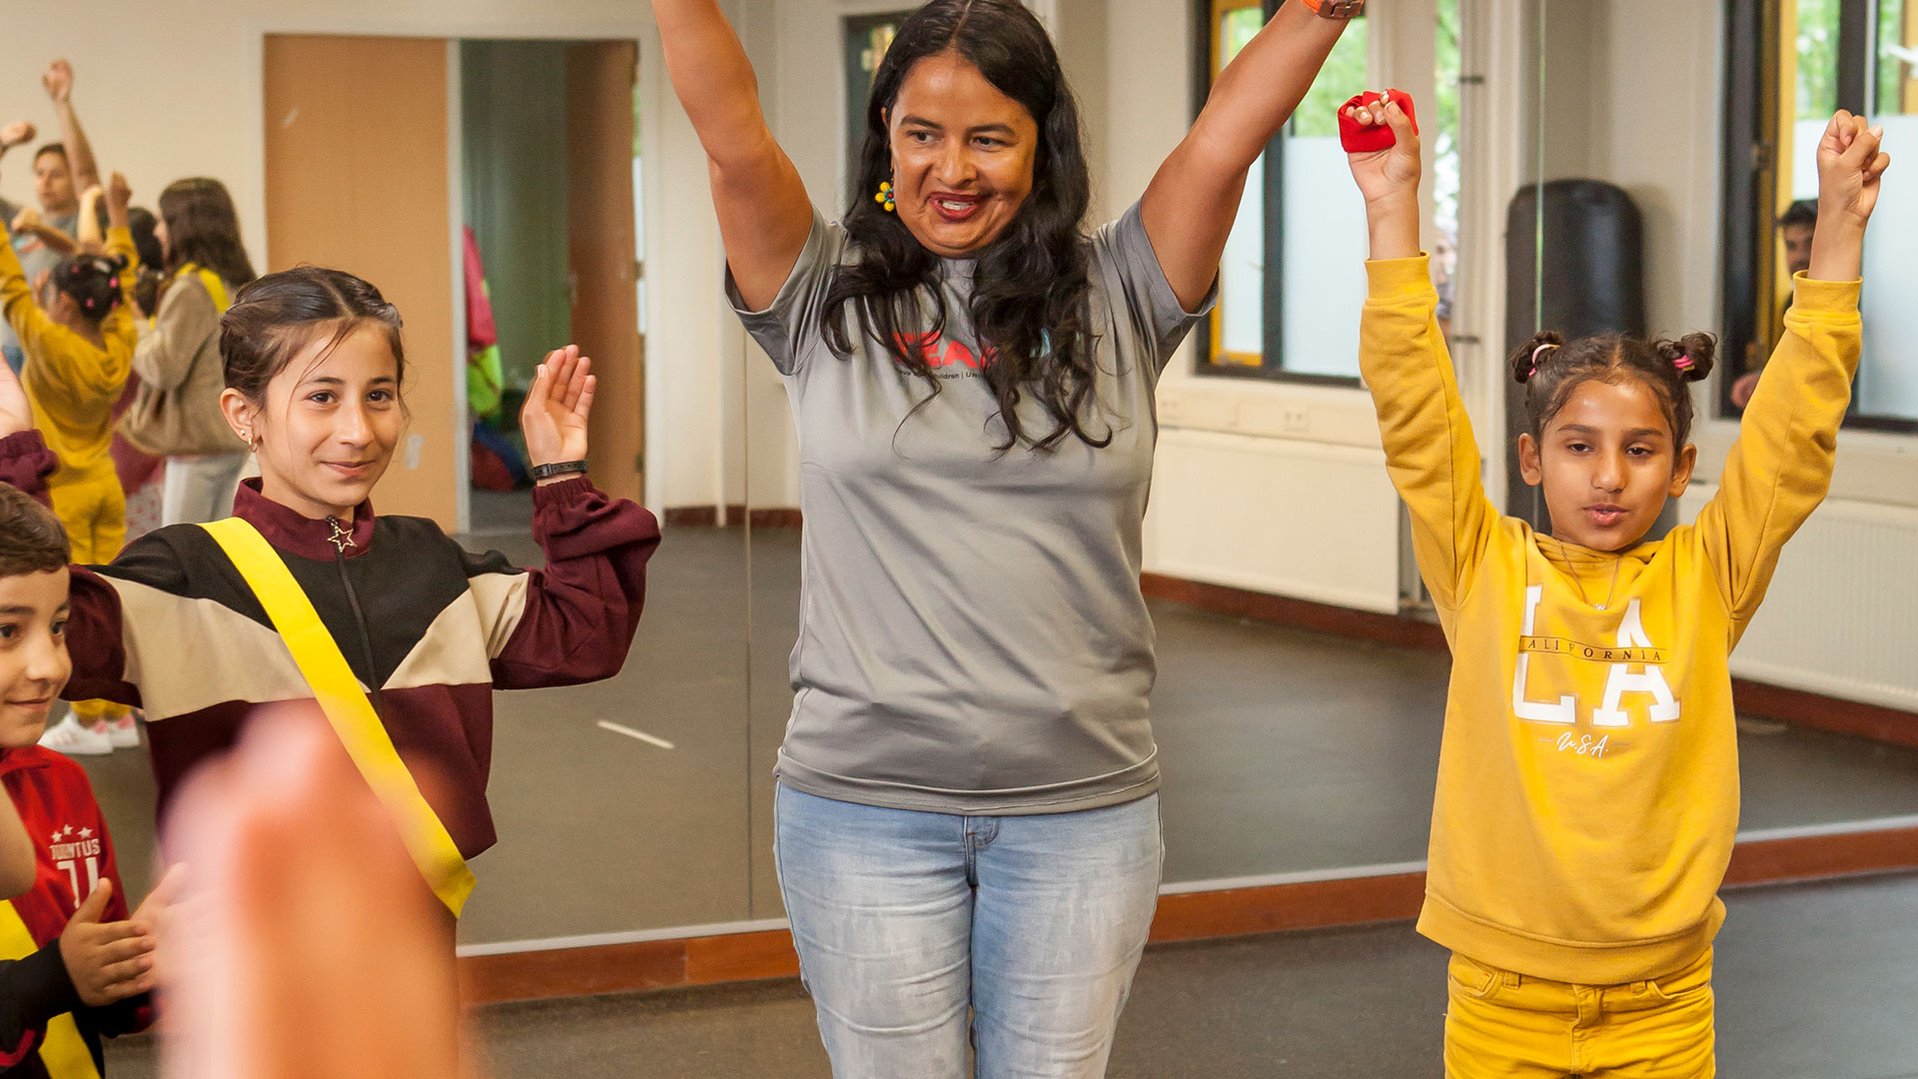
1588 775
79 350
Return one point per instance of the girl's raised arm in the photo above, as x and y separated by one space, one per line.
1780 468
764 214
1429 448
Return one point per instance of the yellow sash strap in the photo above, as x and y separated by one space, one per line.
215 287
347 709
63 1050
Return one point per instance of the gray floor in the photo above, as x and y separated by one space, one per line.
1283 752
1814 982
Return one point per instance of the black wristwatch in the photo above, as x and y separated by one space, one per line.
557 468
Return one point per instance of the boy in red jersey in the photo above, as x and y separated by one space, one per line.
73 966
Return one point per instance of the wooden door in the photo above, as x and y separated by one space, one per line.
602 254
357 179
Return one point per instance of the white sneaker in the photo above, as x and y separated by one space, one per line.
72 738
124 733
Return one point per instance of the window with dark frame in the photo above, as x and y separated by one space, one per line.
1274 326
867 37
1249 334
1790 63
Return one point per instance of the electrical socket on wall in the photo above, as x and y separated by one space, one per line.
414 445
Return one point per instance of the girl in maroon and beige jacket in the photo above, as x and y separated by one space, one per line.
428 629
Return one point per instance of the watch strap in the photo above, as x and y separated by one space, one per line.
557 468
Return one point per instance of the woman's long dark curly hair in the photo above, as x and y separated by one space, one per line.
1032 285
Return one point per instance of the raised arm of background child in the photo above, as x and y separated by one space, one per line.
86 226
764 214
58 82
1429 448
1780 468
16 852
28 222
1189 206
22 312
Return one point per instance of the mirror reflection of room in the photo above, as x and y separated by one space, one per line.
650 781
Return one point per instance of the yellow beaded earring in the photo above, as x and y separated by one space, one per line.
884 197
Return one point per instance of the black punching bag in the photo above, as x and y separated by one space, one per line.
1582 258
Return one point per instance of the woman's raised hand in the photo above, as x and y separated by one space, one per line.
554 419
1393 171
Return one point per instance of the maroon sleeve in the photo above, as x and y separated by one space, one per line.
93 630
26 462
582 610
96 643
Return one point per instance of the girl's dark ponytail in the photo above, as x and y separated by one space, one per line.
1691 355
1530 356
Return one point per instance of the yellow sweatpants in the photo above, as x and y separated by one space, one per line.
1504 1025
94 511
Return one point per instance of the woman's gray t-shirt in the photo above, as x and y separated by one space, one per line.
972 635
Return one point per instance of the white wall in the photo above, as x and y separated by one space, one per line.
173 90
1642 110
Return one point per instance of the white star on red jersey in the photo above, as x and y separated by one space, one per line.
86 833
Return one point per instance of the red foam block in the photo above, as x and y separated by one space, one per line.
1359 140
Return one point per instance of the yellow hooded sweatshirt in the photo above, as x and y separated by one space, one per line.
72 383
1588 776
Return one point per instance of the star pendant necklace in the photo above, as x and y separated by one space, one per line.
342 537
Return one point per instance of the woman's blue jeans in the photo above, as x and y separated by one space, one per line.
919 933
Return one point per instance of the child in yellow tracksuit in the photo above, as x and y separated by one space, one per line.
79 351
1588 776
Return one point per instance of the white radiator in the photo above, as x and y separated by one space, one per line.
1841 616
1310 520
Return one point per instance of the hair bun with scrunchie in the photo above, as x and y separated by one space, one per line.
1691 355
1528 357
